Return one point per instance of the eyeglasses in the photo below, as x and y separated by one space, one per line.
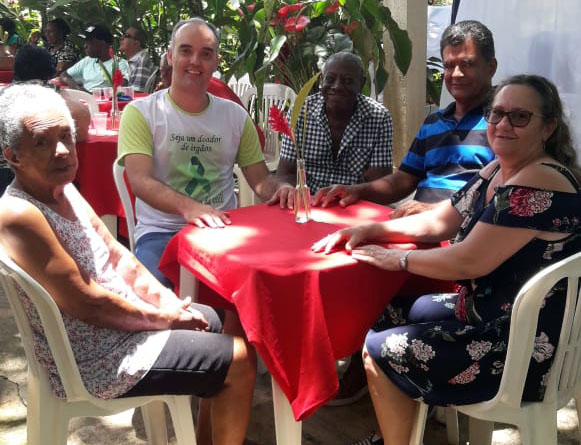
128 36
516 118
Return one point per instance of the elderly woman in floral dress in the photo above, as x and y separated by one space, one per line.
520 214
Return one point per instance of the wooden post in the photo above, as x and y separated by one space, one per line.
405 97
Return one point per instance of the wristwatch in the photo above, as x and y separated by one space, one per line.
403 260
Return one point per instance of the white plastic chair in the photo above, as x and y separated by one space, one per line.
273 94
240 86
126 202
82 96
152 81
48 416
537 421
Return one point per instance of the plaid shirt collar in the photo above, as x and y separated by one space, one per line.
362 110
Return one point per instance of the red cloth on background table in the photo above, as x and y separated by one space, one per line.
301 310
95 176
6 76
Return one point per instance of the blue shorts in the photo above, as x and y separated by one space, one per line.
148 251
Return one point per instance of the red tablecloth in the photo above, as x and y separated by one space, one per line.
301 310
6 76
95 176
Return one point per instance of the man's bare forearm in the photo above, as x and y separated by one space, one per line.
161 196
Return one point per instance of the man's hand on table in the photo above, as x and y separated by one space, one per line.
345 194
202 215
284 195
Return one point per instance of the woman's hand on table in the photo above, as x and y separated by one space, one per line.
351 237
382 257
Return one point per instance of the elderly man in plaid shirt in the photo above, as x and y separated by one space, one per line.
140 65
348 136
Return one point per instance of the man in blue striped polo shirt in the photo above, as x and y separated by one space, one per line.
451 145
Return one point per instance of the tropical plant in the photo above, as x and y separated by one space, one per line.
434 79
288 42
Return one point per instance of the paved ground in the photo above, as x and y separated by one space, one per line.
329 426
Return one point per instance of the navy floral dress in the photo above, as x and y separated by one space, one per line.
451 348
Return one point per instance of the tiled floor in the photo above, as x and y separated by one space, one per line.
333 426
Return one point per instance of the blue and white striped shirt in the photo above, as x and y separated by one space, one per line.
445 154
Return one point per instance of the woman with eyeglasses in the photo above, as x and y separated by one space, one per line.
518 215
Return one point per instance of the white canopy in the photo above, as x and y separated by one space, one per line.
535 37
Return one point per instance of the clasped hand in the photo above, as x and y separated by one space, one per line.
185 317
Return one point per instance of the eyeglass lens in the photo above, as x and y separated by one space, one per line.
517 118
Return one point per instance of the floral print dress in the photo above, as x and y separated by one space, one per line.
450 348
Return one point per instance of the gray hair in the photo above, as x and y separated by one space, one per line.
24 100
458 33
198 21
349 57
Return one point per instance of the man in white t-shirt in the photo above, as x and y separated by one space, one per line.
179 147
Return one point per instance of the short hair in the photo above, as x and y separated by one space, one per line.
33 63
458 33
195 21
18 101
61 25
347 56
140 35
560 144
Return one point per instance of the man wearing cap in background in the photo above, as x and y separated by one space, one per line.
87 73
140 65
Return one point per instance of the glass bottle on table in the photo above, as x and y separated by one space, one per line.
302 202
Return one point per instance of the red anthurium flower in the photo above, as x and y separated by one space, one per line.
251 7
117 78
351 27
279 122
296 23
295 7
333 8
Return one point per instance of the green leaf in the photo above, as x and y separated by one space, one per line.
275 46
300 100
381 76
402 45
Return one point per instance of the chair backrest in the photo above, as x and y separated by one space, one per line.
273 94
12 275
82 96
565 374
126 200
151 81
240 86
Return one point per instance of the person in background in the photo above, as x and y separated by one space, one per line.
140 65
518 215
179 147
88 73
348 136
451 144
14 41
130 335
34 63
61 50
35 38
